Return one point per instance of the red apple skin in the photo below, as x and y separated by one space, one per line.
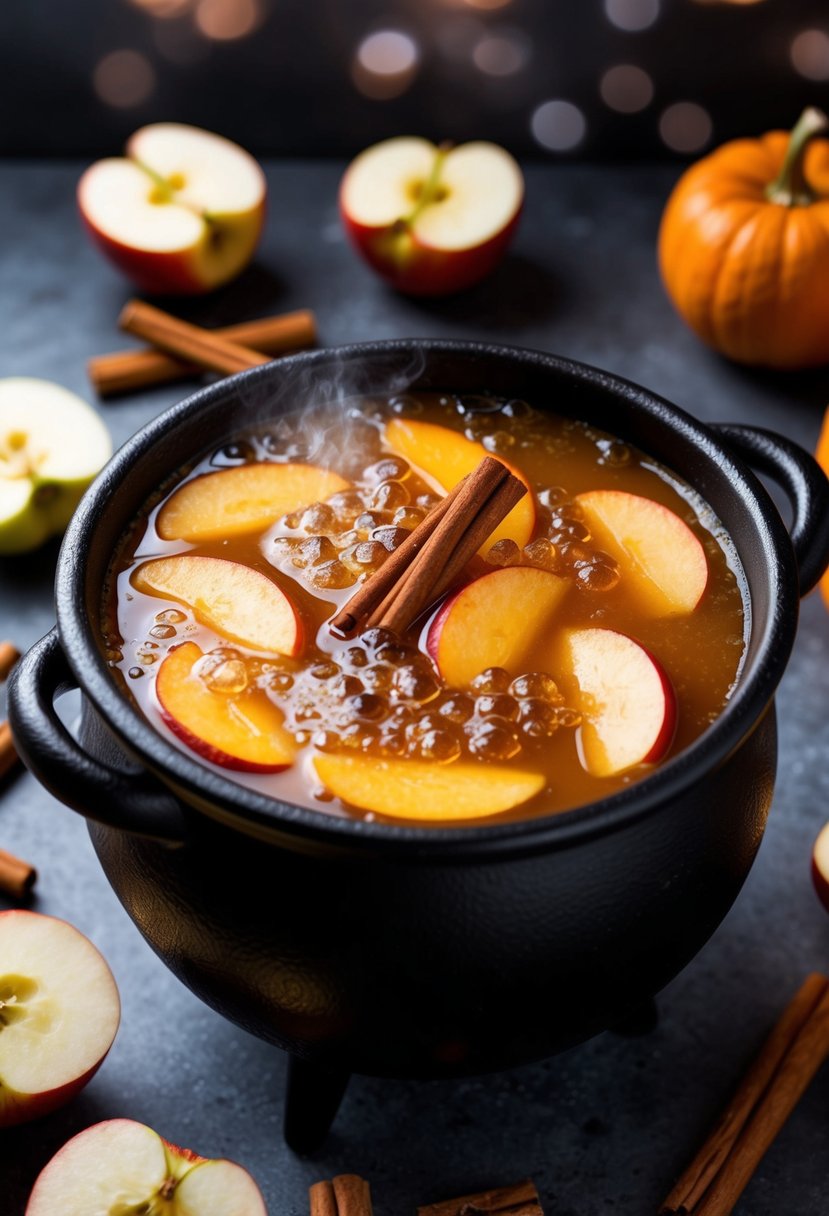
430 272
438 621
665 738
156 273
214 754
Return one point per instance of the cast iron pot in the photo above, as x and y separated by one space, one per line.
406 951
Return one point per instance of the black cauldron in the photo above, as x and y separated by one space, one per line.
409 951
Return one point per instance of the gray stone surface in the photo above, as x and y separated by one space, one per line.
606 1127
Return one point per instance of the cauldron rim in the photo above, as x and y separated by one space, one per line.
260 814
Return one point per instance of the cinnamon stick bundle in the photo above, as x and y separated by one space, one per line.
16 877
127 370
794 1051
8 752
204 347
520 1199
345 1195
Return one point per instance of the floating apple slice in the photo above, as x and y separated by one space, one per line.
430 220
820 866
446 456
421 789
661 558
181 213
52 444
242 732
122 1168
626 700
247 498
495 621
239 603
59 1011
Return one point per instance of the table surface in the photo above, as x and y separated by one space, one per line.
603 1128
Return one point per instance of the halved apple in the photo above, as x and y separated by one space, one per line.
247 498
431 220
624 695
495 621
820 866
182 212
662 560
123 1168
59 1012
446 456
242 732
420 789
239 603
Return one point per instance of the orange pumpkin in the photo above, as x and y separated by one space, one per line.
744 247
822 455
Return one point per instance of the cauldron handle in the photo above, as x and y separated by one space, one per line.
805 484
131 802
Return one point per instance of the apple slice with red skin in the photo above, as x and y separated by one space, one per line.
125 1168
181 213
431 221
243 732
820 866
246 498
495 621
239 603
661 559
59 1013
422 789
624 695
446 456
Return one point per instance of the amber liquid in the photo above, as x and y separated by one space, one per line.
371 695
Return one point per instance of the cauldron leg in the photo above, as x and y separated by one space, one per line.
637 1020
312 1099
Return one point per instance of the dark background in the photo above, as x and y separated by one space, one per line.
284 76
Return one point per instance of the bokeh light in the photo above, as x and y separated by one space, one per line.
558 125
502 54
685 127
626 88
810 54
488 4
227 20
385 64
179 42
164 9
632 14
123 79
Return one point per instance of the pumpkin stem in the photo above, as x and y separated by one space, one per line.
791 189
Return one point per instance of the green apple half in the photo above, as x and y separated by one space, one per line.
52 444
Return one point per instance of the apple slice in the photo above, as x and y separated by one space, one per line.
182 212
247 498
242 732
431 220
123 1168
495 621
59 1012
820 866
52 444
421 789
626 700
661 558
445 456
239 603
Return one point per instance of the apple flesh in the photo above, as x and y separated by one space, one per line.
181 213
52 444
626 700
239 603
421 789
661 559
446 456
820 866
431 221
495 621
123 1168
247 498
59 1013
242 732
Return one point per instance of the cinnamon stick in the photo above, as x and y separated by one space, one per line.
203 347
16 877
9 654
794 1051
127 370
8 753
346 1195
518 1200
